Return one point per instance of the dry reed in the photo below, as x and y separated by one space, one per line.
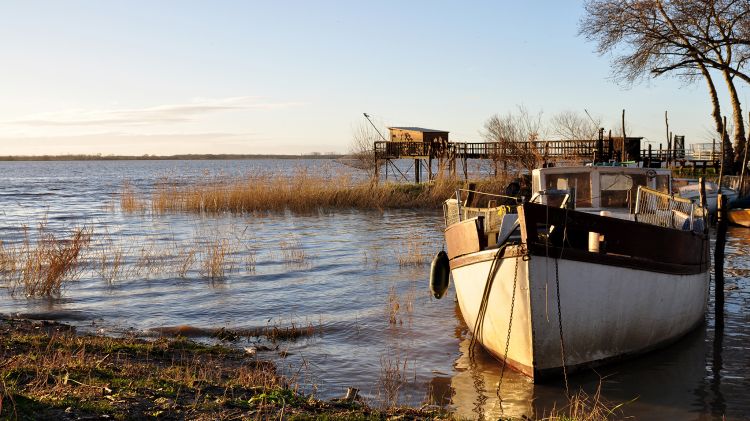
40 265
130 200
300 192
394 375
292 252
584 407
412 253
213 259
393 307
186 259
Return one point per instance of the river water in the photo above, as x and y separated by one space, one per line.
355 280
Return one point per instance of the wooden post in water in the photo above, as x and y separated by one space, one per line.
704 205
417 170
721 238
669 141
623 133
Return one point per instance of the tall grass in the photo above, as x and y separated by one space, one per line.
213 259
395 373
412 253
130 200
42 263
585 407
292 252
299 192
393 306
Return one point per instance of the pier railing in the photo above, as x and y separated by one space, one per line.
565 149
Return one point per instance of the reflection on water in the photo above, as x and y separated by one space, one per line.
347 286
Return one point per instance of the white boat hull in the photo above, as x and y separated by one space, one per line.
607 311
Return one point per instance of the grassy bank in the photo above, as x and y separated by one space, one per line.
300 192
47 371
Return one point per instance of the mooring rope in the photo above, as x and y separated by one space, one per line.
559 323
559 310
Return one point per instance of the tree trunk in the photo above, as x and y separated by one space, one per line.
739 125
716 108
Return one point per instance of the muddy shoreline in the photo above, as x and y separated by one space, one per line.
50 371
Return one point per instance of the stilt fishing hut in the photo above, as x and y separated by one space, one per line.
419 143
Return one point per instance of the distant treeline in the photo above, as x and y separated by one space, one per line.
99 157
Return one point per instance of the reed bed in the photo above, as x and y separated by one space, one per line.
412 253
394 375
300 192
292 252
393 307
586 407
41 264
130 200
213 259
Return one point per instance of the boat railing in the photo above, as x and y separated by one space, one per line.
665 210
456 210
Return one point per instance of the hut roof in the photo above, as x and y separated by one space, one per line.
420 129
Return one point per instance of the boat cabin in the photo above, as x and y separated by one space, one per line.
595 188
626 193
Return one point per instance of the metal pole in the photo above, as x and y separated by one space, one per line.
373 126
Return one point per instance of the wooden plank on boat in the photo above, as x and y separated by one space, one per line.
464 237
621 237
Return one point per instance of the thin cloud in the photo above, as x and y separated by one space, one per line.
134 143
162 114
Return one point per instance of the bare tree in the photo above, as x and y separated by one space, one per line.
684 38
362 146
517 135
712 30
570 125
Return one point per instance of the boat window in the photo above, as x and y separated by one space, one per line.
580 181
619 190
662 183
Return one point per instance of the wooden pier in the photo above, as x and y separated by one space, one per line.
425 146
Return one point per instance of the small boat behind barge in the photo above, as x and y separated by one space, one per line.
602 263
740 217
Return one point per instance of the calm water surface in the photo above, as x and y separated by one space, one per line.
338 272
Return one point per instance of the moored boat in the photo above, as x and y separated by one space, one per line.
690 189
739 217
601 264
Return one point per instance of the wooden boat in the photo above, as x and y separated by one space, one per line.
598 266
739 217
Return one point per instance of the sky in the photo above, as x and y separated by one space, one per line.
294 77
